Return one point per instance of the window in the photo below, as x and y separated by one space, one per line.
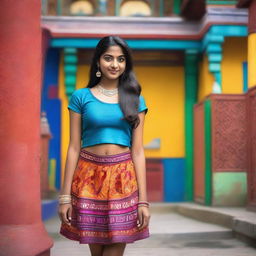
81 8
135 8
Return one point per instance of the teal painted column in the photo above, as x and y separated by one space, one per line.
191 87
70 70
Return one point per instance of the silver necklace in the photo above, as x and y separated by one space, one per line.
107 92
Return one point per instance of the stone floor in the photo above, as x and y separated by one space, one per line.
171 234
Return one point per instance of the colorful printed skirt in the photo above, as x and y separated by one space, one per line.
104 200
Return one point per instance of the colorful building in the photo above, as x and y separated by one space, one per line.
196 62
188 54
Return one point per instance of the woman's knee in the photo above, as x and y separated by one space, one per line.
116 249
96 249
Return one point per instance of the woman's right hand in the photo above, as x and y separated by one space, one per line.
65 213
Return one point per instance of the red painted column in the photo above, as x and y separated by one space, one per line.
22 232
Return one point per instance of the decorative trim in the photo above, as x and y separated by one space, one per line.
143 27
208 153
88 43
212 44
70 69
230 2
229 30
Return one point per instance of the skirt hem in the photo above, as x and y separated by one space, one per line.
93 240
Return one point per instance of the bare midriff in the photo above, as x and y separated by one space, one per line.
107 149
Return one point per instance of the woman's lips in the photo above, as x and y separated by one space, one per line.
113 71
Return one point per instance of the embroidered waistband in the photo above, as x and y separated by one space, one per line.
116 158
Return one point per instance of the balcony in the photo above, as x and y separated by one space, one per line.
127 8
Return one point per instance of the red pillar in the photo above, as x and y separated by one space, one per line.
22 232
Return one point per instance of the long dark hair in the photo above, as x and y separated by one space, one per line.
128 87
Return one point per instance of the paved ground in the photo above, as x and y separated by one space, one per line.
171 235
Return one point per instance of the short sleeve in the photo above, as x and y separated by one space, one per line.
142 105
74 102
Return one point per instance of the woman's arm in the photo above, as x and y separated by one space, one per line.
140 168
73 151
138 157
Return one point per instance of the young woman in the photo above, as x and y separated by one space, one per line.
103 200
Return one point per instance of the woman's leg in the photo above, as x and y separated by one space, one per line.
116 249
96 249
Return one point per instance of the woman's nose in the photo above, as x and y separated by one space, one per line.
114 63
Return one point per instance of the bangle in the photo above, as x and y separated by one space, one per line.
143 205
68 195
64 199
143 202
61 203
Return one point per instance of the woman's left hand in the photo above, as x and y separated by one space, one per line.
143 217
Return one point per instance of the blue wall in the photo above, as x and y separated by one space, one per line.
52 106
174 179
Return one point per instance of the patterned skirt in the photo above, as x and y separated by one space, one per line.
104 196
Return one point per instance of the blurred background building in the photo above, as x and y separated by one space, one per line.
196 65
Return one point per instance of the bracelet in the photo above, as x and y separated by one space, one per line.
143 202
64 203
143 205
64 195
64 199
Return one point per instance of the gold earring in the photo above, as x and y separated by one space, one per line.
98 73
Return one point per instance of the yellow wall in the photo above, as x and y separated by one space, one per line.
234 54
252 60
163 89
206 79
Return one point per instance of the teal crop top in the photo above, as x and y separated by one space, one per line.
101 121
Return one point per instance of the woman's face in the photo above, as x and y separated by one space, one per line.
112 62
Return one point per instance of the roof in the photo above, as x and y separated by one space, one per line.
142 27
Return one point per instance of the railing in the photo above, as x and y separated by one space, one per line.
147 8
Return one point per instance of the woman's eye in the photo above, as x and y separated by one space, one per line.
107 58
122 59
